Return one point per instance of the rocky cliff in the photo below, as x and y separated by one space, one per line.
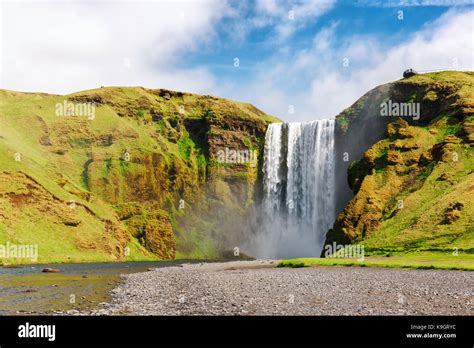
411 174
126 173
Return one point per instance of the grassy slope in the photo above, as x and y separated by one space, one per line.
19 133
420 225
401 168
421 260
25 118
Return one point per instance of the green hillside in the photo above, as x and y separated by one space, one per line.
414 188
136 181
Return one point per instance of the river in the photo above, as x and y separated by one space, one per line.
81 286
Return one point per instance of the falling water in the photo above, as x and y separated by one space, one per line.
298 188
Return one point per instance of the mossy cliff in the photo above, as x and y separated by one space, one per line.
412 178
139 179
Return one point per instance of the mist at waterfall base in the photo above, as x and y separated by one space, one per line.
298 206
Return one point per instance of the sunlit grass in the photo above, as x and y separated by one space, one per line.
421 260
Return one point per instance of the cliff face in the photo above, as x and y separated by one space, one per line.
412 177
138 178
357 128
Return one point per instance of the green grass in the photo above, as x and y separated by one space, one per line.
57 246
86 160
186 146
203 247
419 224
421 260
452 129
342 122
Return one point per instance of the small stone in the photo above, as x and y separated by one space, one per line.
445 177
51 270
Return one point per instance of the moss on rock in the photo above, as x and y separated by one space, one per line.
403 182
146 159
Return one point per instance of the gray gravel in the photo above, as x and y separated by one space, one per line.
258 288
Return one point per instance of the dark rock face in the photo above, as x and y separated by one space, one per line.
357 128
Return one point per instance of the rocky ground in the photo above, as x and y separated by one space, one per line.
259 288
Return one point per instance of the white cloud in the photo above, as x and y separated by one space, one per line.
61 47
271 7
444 44
283 17
64 46
288 17
412 3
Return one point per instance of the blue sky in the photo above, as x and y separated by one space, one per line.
352 20
316 56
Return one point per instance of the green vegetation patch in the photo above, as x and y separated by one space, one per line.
422 260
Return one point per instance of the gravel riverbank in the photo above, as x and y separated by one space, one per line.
259 288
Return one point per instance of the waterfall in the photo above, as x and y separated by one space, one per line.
298 205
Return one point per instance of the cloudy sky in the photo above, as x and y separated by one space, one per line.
311 57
